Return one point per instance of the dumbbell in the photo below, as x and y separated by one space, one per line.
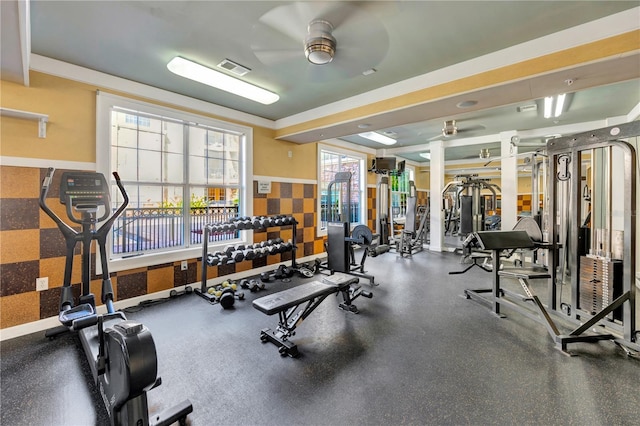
265 277
248 254
252 285
212 260
237 256
222 257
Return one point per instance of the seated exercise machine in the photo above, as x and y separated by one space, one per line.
294 305
340 239
411 239
120 352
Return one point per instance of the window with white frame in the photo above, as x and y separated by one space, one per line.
330 161
180 171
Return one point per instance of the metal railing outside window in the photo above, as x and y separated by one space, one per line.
145 229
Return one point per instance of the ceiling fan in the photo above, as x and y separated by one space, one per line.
450 128
325 40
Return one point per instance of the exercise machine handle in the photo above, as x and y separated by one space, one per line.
125 203
46 183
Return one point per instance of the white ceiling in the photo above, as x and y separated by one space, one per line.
402 40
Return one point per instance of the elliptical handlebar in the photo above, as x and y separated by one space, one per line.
64 227
46 183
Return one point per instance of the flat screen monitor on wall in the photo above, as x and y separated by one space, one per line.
385 163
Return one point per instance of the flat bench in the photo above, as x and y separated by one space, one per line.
288 304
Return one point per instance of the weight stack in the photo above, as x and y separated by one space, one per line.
600 284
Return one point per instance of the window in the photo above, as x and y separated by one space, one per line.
332 160
180 172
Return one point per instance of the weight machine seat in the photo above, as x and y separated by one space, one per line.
525 273
283 300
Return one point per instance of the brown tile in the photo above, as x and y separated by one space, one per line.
244 266
260 206
20 182
255 191
52 244
181 277
286 190
229 268
132 285
53 268
309 248
286 206
19 309
309 205
297 190
309 190
297 205
50 302
19 277
19 246
275 190
19 213
273 206
309 220
159 279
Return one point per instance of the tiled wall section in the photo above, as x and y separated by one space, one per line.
524 202
31 246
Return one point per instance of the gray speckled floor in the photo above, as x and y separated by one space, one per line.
418 353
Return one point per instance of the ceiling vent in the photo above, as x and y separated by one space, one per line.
236 69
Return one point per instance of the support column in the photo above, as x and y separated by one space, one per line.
436 184
509 181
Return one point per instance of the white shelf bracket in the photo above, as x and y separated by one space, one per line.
43 119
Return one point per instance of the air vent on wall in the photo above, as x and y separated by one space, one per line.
237 69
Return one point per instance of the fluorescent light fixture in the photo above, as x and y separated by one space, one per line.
559 105
377 137
196 72
548 106
549 103
426 155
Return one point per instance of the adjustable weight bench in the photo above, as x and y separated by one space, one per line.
288 304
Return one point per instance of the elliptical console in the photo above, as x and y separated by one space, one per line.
121 353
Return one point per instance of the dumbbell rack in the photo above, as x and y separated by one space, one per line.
257 222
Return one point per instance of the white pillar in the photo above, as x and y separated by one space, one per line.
436 184
509 181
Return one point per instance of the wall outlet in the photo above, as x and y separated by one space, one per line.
42 283
184 265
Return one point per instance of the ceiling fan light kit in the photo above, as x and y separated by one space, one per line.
320 45
449 128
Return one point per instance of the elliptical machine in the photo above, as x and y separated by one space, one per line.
120 352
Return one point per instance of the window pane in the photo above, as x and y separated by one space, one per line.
174 137
150 140
215 171
126 137
125 162
172 168
149 168
197 170
231 172
197 141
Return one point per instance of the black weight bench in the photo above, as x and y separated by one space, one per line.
288 304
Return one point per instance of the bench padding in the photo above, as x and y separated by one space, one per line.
285 299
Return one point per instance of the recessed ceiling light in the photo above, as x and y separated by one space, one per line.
369 71
364 126
467 104
196 72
